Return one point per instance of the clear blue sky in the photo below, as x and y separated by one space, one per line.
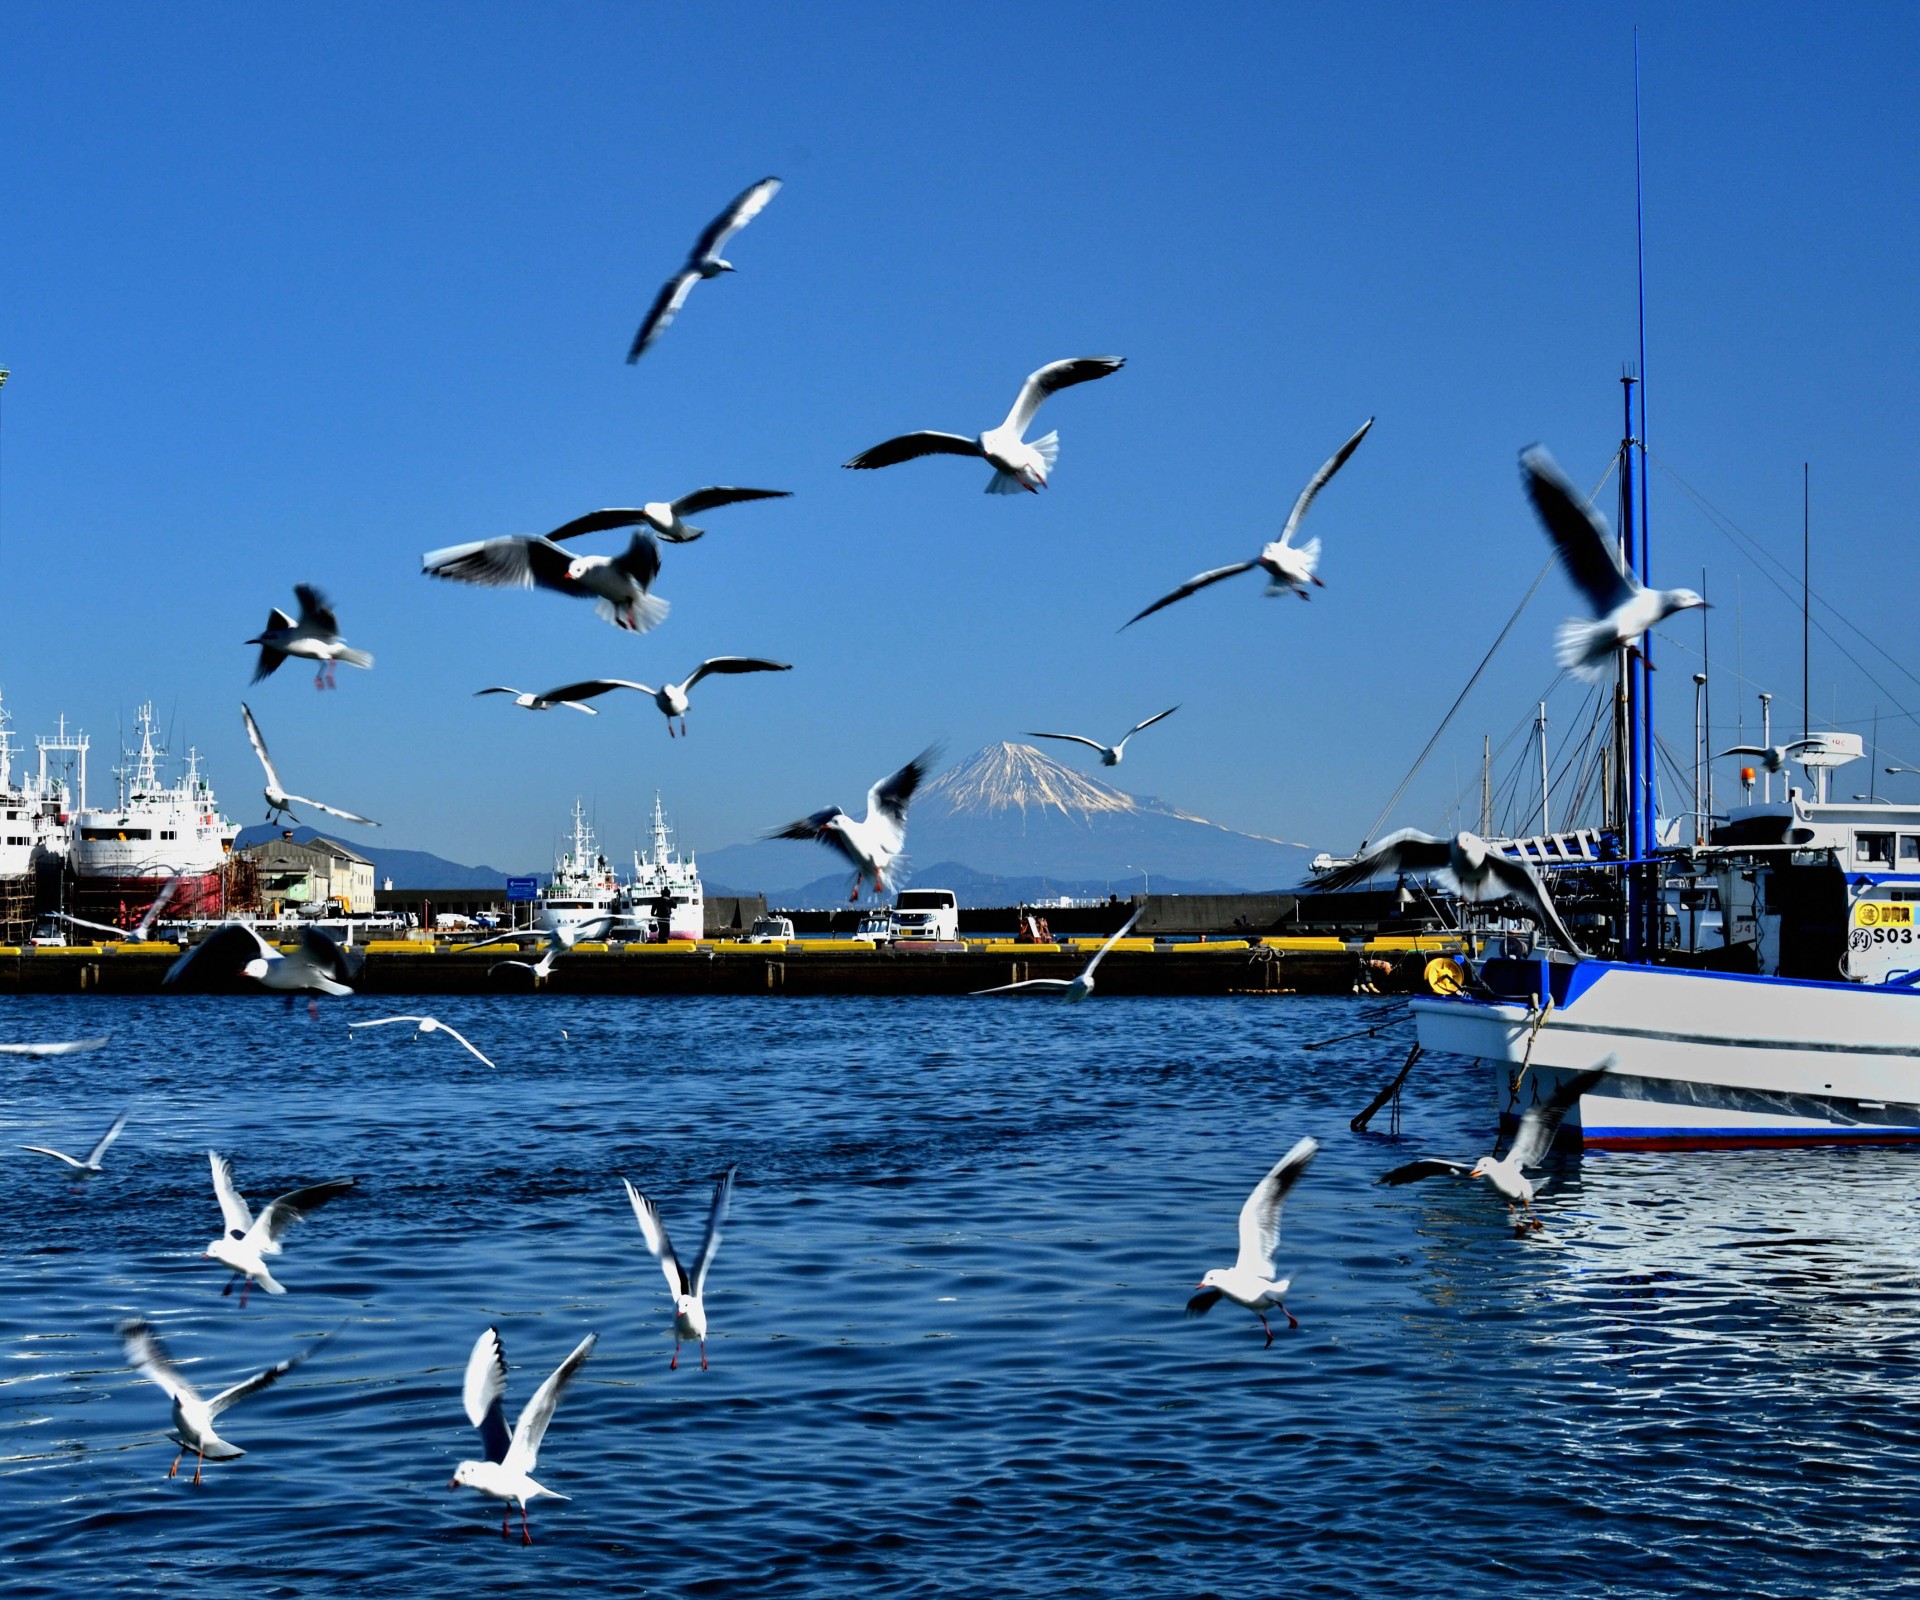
299 293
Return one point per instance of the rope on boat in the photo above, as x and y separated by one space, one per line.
1526 1058
1391 1092
1364 1033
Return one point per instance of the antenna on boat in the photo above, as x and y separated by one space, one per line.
1642 889
1806 592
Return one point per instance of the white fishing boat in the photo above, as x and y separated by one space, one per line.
34 830
665 897
582 899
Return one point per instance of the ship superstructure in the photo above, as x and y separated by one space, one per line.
582 900
666 892
33 836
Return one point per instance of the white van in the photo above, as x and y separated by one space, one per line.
926 914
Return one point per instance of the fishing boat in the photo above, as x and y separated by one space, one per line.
34 825
665 897
582 899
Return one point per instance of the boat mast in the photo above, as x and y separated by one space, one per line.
1642 880
1546 822
1626 741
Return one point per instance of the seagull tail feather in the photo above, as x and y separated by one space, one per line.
353 658
1585 648
645 614
1048 449
1005 483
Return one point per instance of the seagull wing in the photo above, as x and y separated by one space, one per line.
259 746
734 664
260 1380
1053 377
890 452
460 1038
107 1138
588 688
98 927
747 205
381 1022
1192 586
332 811
887 800
1523 883
235 1215
283 1213
1745 750
1036 984
513 562
1260 1216
641 559
1075 738
654 1231
666 306
1321 479
1579 533
1124 929
483 1390
58 1155
316 611
599 522
524 1453
1426 1167
145 1351
1409 850
1540 1123
815 827
1203 1302
160 903
716 1220
1149 722
689 505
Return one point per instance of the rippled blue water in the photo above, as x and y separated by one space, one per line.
949 1353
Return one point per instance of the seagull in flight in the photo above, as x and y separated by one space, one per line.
1622 609
1017 463
1508 1174
875 842
234 951
536 702
277 798
541 969
664 516
1465 863
507 1472
1289 567
65 1047
316 636
1077 987
671 698
193 1417
139 933
1250 1281
619 586
426 1025
703 262
688 1287
1773 756
89 1165
1110 755
244 1243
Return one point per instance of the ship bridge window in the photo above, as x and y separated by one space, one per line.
1873 847
116 833
1910 847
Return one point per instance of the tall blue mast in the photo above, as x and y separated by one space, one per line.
1642 881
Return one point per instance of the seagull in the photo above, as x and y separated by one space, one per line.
507 1472
91 1164
1017 463
315 636
1466 863
277 798
1289 567
1530 1146
535 702
426 1025
618 585
66 1047
193 1418
874 843
671 698
1622 608
1773 756
234 951
1250 1281
541 969
688 1288
246 1243
1110 755
140 931
703 262
1076 988
664 516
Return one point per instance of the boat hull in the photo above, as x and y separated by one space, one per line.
122 900
1703 1060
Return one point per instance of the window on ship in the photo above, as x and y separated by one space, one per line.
1873 847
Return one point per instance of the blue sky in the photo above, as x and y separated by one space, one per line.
299 293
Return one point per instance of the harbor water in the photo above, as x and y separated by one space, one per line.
950 1355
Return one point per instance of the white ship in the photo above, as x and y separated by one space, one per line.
34 825
666 896
582 900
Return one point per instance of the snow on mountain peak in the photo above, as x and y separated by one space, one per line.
1003 777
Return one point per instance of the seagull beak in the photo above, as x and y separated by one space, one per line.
453 1483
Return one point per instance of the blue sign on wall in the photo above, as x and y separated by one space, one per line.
522 888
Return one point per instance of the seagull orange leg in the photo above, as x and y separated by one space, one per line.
201 1462
176 1461
526 1533
703 1355
506 1521
674 1364
1263 1323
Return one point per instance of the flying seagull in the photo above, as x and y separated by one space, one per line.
1773 756
619 586
1622 608
277 798
875 842
426 1025
244 1244
1530 1146
1250 1281
1018 464
316 636
541 969
87 1167
139 932
1075 988
671 698
193 1417
703 262
1110 755
1289 567
234 951
664 516
535 702
507 1472
64 1047
687 1286
1465 863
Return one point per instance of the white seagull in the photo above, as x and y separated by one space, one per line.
61 1047
703 262
85 1168
1773 756
1250 1281
1289 567
1077 987
875 842
1466 863
234 951
664 516
528 701
277 798
1110 755
1507 1174
541 969
316 636
1622 609
193 1417
1017 463
620 586
507 1472
688 1287
140 931
245 1243
425 1025
671 698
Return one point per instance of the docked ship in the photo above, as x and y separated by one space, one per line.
582 899
158 833
666 897
33 835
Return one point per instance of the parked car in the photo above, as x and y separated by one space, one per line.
926 914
